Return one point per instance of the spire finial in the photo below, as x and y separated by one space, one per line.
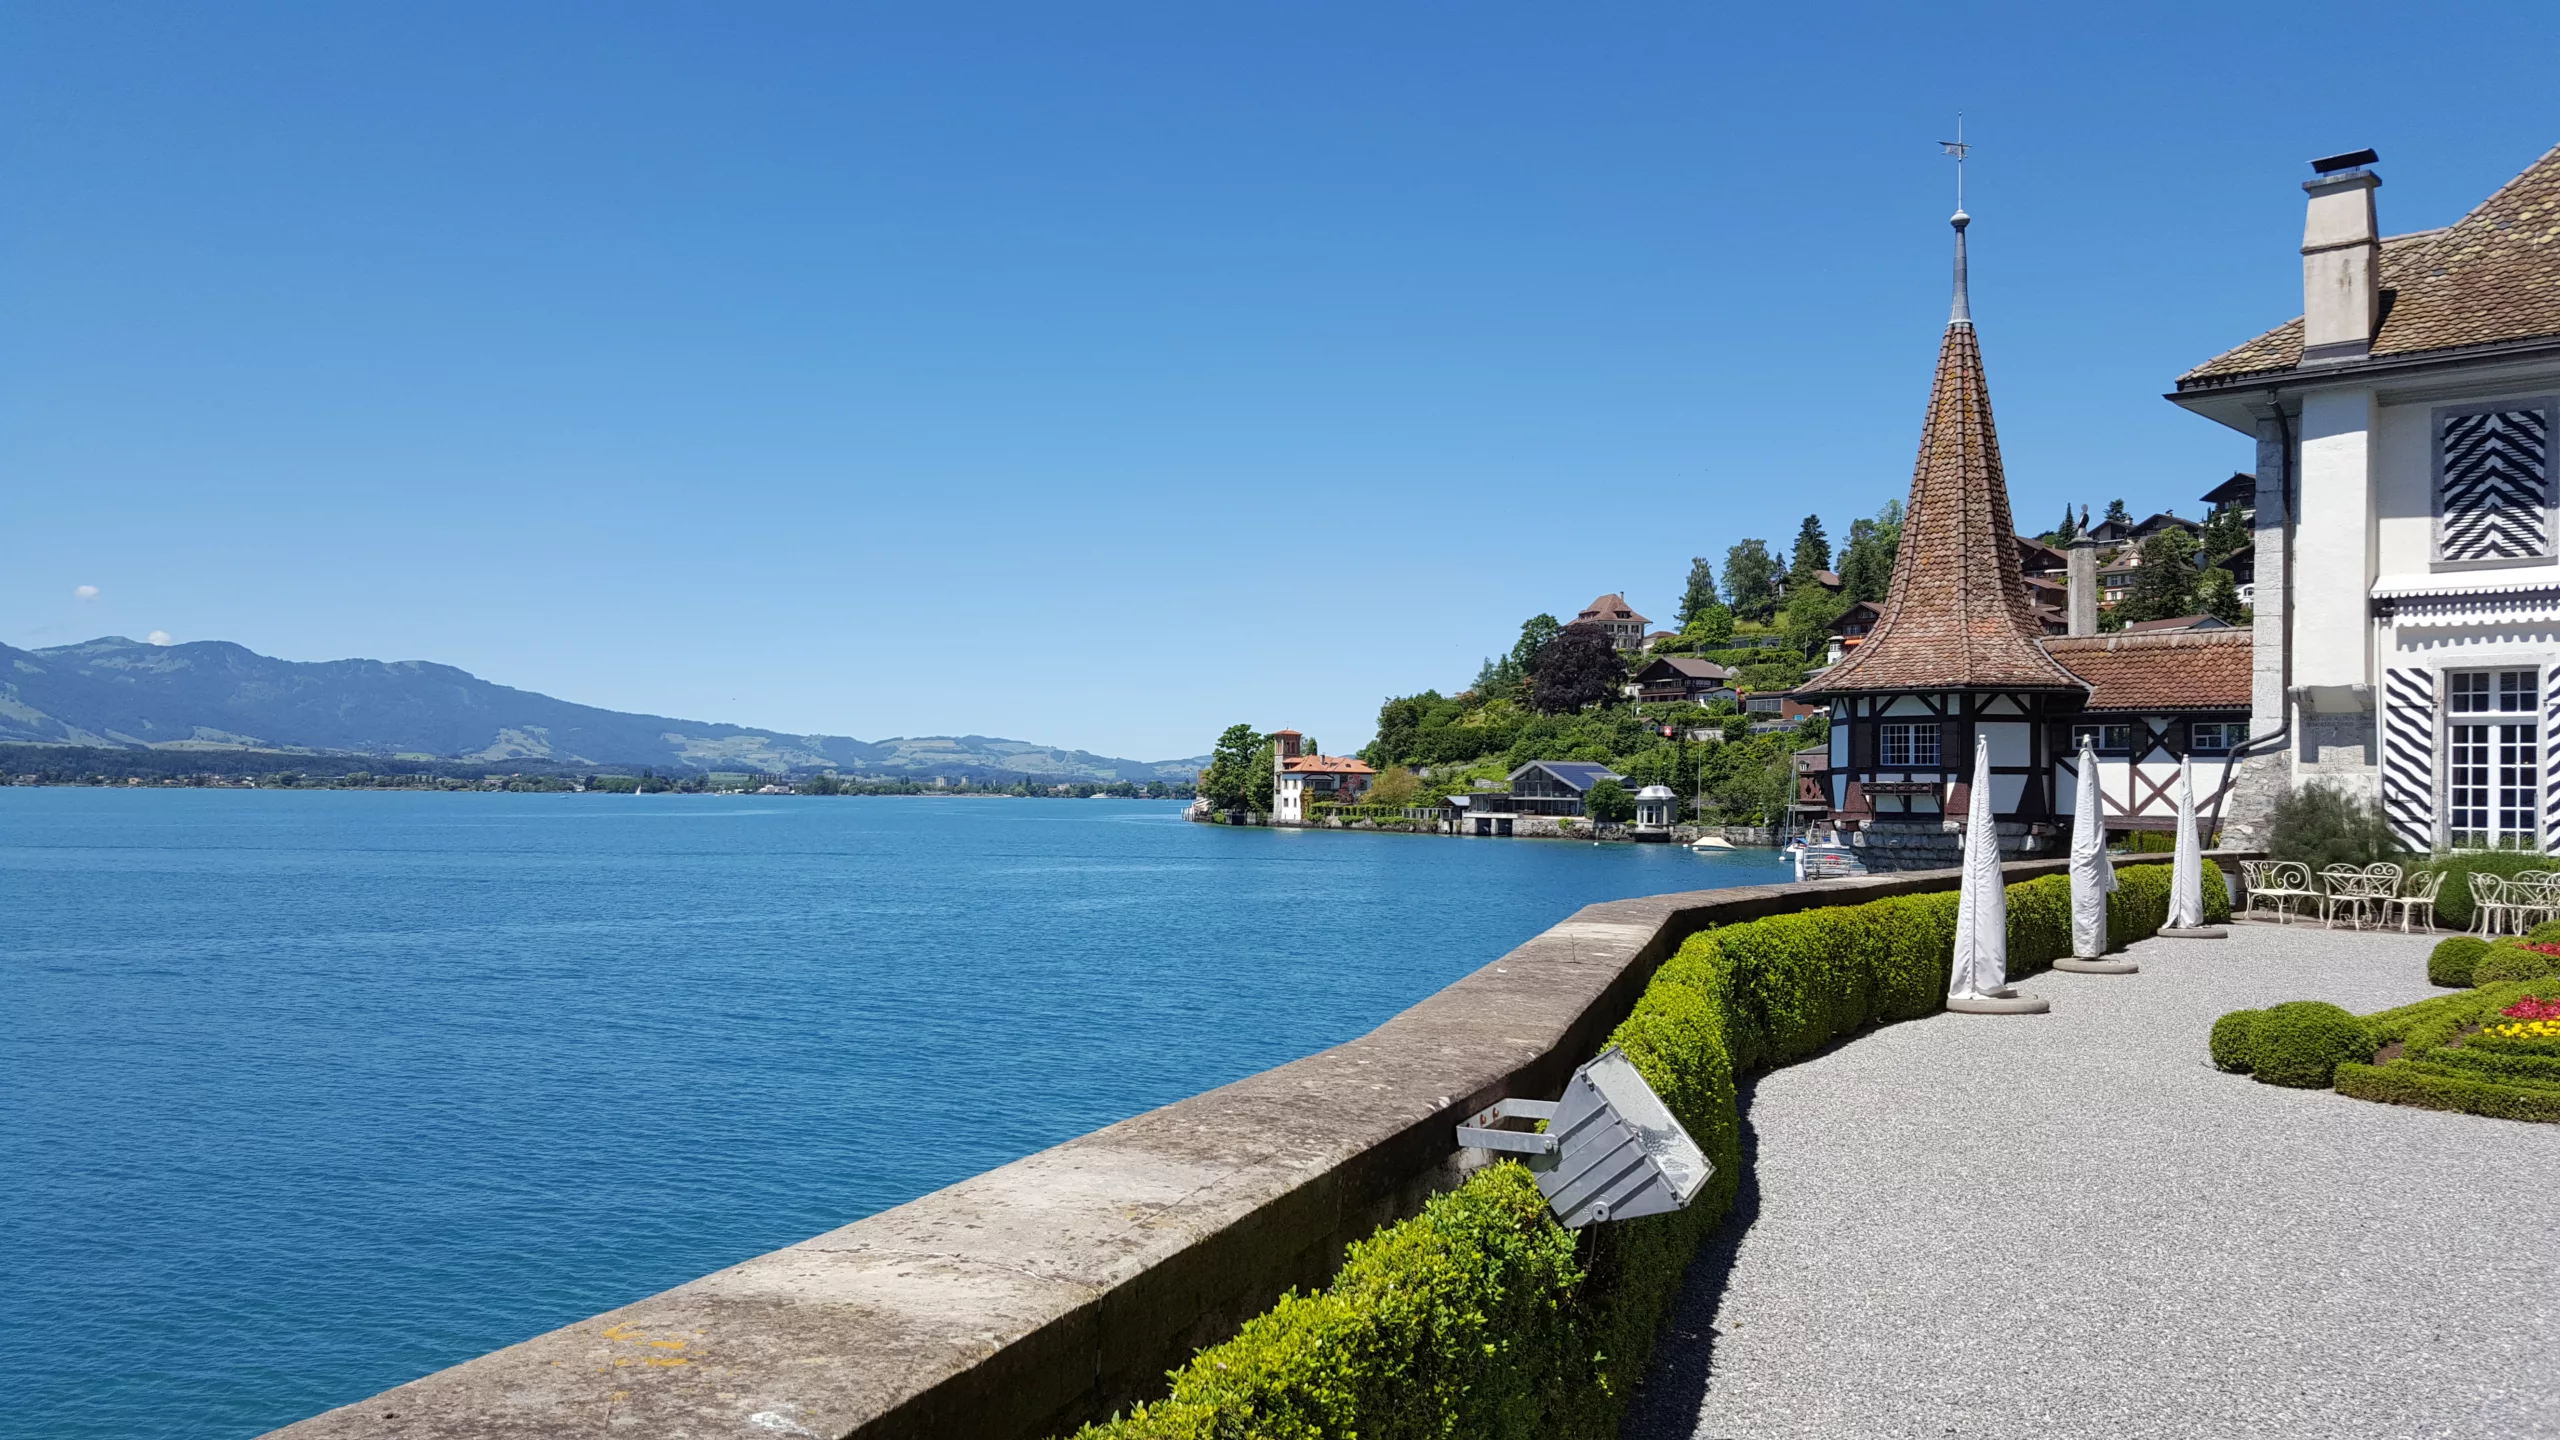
1962 312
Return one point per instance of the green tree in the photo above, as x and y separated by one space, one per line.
1806 619
1535 632
2164 587
2068 530
2118 515
1609 803
1866 562
1399 729
2218 595
1813 552
1701 592
1711 628
1258 783
1580 666
1751 580
2226 530
1228 780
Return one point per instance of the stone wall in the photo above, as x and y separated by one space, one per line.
1934 845
1062 1286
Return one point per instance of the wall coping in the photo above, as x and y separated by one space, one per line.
1062 1286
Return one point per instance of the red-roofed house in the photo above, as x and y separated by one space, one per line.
1299 780
1612 613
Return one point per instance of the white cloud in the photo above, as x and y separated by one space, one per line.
85 592
159 637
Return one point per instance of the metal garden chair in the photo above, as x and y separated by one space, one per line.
2420 896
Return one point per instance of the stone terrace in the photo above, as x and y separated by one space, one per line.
2072 1225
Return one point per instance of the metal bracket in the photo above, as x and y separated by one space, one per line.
1478 1130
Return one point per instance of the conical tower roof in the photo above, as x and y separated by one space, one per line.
1956 616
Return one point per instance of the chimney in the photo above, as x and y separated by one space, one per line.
2341 261
2083 575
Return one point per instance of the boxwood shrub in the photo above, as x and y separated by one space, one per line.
2449 964
2230 1041
2447 1061
2301 1043
1481 1316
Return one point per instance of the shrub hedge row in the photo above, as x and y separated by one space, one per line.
2444 1062
1481 1316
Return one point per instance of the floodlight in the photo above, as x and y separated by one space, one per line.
1611 1150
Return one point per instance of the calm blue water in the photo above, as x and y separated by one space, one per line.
308 1094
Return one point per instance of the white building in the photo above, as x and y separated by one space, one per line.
1299 780
2408 582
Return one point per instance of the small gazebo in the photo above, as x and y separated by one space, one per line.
1656 808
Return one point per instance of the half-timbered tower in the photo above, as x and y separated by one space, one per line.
1956 653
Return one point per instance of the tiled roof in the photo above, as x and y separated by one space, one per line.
2172 670
1326 765
1957 614
1611 608
2492 276
2182 622
1687 665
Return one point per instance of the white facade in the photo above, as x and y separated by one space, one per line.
2408 585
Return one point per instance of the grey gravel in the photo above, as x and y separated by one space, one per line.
2071 1224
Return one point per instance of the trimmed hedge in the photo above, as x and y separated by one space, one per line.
2446 1063
2449 964
2507 960
2432 1087
2232 1042
2301 1043
1481 1316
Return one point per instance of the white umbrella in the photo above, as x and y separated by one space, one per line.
1978 980
2186 867
2093 875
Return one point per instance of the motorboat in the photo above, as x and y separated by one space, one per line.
1711 842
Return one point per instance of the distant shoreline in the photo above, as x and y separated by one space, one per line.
98 767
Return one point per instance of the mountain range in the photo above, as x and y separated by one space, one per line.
214 695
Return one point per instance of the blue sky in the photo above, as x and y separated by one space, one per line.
1102 375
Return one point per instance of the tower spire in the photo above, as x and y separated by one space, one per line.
1961 313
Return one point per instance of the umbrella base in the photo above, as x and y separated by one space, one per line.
2194 932
2003 1002
2078 966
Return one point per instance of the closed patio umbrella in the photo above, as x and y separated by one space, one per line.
1978 980
2186 868
2093 875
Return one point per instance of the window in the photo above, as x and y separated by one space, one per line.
1908 745
2493 482
2214 737
2112 739
2492 759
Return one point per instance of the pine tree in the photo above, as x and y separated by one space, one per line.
1813 552
2068 530
2218 595
1701 592
2164 588
2118 515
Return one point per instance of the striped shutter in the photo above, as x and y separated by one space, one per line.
2496 492
2551 759
2409 757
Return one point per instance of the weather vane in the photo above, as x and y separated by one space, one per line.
1957 148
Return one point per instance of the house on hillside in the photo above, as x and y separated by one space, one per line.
2407 536
1683 677
1612 613
1850 628
1299 780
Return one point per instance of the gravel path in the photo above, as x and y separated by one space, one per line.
2072 1225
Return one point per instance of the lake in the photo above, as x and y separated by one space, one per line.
313 1092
